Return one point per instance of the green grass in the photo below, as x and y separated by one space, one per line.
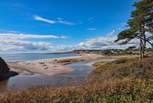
121 81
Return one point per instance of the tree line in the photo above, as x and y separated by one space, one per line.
140 26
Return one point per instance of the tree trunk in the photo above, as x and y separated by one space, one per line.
140 49
152 35
142 42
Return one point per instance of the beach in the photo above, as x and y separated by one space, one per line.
49 67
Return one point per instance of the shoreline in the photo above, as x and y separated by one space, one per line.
55 66
51 66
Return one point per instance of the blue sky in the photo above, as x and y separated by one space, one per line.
60 24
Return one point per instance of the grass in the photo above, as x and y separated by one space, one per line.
122 68
67 61
120 81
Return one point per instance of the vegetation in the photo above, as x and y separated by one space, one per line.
130 50
139 25
120 81
67 61
122 68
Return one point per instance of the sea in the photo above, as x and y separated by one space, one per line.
32 56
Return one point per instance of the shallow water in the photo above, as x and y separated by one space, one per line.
80 73
32 56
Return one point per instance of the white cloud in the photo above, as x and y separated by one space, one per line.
101 42
36 17
26 36
25 42
105 42
23 46
57 21
62 21
22 43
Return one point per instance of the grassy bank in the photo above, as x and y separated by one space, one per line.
120 81
67 61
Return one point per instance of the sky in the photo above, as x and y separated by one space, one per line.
62 25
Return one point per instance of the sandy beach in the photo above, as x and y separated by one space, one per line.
52 66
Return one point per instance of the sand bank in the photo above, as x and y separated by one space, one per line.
52 66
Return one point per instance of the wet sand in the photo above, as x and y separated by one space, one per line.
48 67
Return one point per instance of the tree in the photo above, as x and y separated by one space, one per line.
148 9
141 21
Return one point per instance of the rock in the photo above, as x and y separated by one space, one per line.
7 75
5 72
3 67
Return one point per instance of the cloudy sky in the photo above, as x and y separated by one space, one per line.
61 25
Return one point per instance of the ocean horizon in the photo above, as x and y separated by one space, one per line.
32 56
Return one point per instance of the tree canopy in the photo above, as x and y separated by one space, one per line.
139 24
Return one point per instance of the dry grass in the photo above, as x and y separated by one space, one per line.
121 81
132 68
